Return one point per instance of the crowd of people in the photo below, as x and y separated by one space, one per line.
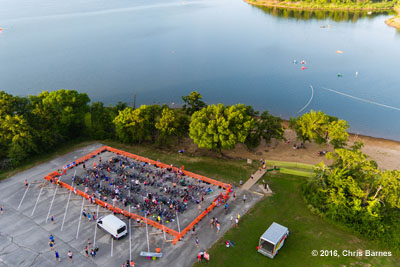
157 193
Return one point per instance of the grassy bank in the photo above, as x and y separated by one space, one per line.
324 6
308 232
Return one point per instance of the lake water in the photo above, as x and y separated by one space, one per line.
227 50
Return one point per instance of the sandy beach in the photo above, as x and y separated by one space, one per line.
385 152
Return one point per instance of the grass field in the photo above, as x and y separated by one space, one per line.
308 232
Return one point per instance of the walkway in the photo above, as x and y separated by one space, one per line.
257 175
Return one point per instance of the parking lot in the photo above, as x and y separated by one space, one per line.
25 224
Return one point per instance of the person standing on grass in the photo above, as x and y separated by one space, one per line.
70 255
196 241
237 223
57 256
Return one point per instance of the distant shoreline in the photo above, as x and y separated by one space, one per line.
393 22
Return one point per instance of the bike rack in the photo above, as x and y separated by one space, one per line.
177 235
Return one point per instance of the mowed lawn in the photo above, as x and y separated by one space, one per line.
308 232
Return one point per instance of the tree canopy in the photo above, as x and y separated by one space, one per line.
321 128
266 127
166 125
219 127
355 192
193 102
136 125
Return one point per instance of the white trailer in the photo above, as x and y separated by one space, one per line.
272 240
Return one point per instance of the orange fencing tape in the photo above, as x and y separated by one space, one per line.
54 175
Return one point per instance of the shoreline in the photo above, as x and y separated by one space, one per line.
392 22
291 5
384 151
395 21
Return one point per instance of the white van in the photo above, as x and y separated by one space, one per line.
112 225
272 240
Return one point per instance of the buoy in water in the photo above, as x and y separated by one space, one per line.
1 29
303 62
303 68
340 75
356 74
295 61
339 52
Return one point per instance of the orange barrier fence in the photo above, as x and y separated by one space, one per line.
222 197
112 208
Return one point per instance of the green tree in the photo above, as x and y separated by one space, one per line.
271 127
319 127
136 125
355 192
16 135
166 126
313 126
58 116
219 127
267 127
102 126
337 132
193 102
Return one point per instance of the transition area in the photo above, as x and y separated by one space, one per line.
156 193
166 208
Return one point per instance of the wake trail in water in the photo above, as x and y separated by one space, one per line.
309 101
361 99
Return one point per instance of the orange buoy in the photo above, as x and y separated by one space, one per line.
303 68
1 29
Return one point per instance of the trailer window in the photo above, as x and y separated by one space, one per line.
120 230
267 246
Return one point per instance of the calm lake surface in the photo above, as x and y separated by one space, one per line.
229 51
